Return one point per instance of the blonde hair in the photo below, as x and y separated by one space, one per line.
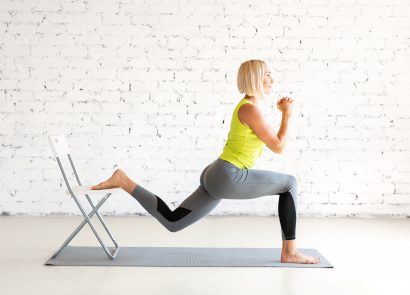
250 78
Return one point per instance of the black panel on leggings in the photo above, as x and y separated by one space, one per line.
171 216
287 215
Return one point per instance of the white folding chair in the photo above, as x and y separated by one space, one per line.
60 149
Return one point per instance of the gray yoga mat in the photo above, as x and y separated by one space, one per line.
181 257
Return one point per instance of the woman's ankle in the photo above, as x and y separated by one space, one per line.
127 184
288 247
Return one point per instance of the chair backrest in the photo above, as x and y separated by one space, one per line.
60 148
59 145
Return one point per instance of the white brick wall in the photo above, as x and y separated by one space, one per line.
151 85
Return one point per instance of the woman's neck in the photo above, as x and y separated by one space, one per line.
254 99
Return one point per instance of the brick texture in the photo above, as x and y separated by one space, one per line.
151 86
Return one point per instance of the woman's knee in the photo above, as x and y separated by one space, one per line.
174 229
175 226
292 182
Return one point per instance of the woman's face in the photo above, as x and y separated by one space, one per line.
267 80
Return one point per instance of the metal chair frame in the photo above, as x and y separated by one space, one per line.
58 143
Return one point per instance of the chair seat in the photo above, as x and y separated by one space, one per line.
86 189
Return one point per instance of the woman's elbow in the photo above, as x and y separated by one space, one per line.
279 151
276 149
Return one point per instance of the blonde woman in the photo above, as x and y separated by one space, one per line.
230 176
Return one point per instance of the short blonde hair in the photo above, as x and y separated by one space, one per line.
250 78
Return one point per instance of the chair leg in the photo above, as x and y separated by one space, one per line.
103 223
87 220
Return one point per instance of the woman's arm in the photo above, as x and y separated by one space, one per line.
283 130
250 115
253 117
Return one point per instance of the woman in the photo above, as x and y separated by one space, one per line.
230 176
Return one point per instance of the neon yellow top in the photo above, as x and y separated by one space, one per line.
243 147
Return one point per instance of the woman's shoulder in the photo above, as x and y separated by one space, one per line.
246 112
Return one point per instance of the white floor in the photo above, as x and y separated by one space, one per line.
371 256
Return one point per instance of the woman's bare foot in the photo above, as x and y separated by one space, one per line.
291 255
118 179
298 257
114 181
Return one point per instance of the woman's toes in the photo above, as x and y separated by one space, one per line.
102 185
96 186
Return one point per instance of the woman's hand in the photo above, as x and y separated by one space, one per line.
285 105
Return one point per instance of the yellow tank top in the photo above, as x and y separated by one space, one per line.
242 147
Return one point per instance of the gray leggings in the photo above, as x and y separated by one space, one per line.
223 180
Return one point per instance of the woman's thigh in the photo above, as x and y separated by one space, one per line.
226 181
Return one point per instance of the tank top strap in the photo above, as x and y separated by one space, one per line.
244 100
